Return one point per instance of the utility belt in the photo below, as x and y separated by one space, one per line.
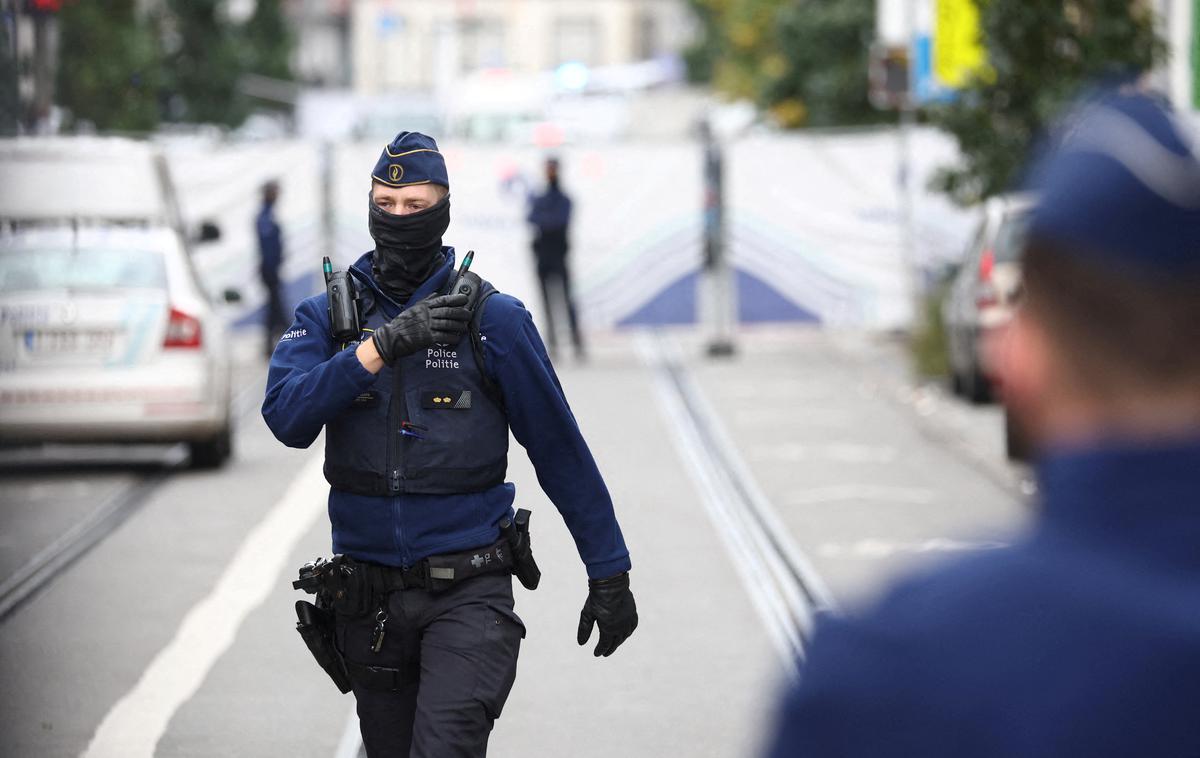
355 588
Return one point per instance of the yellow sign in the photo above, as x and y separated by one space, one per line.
957 42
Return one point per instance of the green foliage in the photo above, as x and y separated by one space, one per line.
110 65
124 69
205 65
701 56
1196 54
267 41
929 343
1041 53
825 44
803 60
10 105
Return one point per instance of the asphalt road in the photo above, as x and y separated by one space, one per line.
806 471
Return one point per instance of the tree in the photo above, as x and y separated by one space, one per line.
267 41
1041 53
10 104
110 66
805 61
824 45
205 64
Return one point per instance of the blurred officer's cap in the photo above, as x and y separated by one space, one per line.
1121 185
411 158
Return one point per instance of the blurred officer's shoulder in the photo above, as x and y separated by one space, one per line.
986 655
954 604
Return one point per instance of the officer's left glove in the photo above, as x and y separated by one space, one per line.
439 319
610 605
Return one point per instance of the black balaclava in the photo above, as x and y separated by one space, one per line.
408 248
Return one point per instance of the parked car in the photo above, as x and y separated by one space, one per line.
983 291
106 334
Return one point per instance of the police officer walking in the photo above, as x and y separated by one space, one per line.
417 410
1083 638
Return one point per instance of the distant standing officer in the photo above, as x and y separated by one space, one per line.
416 413
1083 638
270 252
550 215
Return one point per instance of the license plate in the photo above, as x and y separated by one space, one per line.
73 342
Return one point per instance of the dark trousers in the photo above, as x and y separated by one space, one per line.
558 278
276 318
457 651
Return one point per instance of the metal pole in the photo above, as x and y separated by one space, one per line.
718 272
907 112
908 253
45 68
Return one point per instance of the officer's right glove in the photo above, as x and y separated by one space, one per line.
610 606
442 320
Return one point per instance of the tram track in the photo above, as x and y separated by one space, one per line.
54 559
782 584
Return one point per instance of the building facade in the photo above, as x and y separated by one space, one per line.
426 45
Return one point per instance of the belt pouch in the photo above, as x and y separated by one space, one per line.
316 629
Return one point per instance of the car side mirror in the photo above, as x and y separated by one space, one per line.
231 296
209 232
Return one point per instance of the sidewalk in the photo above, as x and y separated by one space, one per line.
857 485
699 677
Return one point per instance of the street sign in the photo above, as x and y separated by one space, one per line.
958 48
947 51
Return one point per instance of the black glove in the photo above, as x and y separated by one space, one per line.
610 605
442 320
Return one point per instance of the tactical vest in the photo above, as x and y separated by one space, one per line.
432 423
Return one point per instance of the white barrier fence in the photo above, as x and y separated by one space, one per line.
814 222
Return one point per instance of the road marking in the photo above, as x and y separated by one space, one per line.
39 571
768 418
36 573
875 548
782 585
833 452
134 725
862 492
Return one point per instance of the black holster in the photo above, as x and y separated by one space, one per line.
316 629
516 533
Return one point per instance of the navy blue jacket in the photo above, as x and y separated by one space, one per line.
550 215
1083 639
270 243
311 380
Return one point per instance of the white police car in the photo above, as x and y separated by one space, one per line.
106 334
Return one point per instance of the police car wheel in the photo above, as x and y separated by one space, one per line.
213 452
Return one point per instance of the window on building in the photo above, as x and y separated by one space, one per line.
576 38
481 44
645 36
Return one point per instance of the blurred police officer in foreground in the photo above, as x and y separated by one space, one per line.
270 252
1083 638
417 414
550 215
